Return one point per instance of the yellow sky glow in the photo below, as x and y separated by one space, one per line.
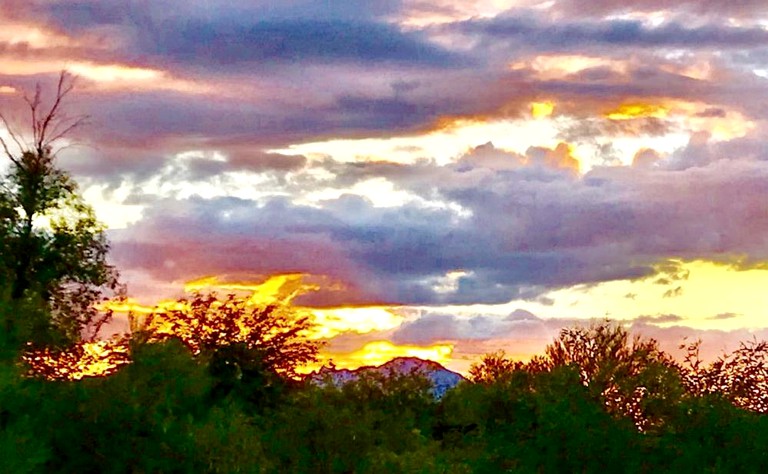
542 109
380 352
706 295
633 111
710 289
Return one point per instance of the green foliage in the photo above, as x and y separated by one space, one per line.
139 420
373 424
22 448
225 410
52 249
536 422
632 377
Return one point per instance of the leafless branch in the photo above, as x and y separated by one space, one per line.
51 126
62 90
76 123
13 136
48 127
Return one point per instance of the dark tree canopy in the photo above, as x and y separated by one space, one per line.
206 324
53 251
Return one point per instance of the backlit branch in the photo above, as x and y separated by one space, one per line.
47 127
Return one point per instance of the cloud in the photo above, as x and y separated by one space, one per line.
252 161
723 316
234 35
516 226
435 327
645 158
660 319
714 342
713 8
527 32
560 157
518 223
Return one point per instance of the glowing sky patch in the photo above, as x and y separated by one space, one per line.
633 111
379 352
334 321
274 289
443 145
698 292
559 66
542 109
112 210
31 36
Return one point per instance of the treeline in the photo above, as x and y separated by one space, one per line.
596 401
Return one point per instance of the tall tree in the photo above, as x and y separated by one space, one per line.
52 248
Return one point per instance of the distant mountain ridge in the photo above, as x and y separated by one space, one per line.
442 379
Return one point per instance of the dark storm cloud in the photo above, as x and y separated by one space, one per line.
86 14
113 166
250 34
383 113
166 119
229 44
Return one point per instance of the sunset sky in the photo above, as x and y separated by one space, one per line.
439 178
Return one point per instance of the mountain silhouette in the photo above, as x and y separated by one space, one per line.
442 379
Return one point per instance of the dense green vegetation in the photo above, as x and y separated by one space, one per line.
170 411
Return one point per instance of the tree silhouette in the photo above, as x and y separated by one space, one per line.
272 335
631 377
52 248
740 376
494 367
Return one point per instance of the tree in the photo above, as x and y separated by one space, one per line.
632 376
52 248
740 376
494 367
237 334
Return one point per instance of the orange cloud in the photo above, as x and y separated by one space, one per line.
562 156
281 288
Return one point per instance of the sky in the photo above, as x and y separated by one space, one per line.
438 178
